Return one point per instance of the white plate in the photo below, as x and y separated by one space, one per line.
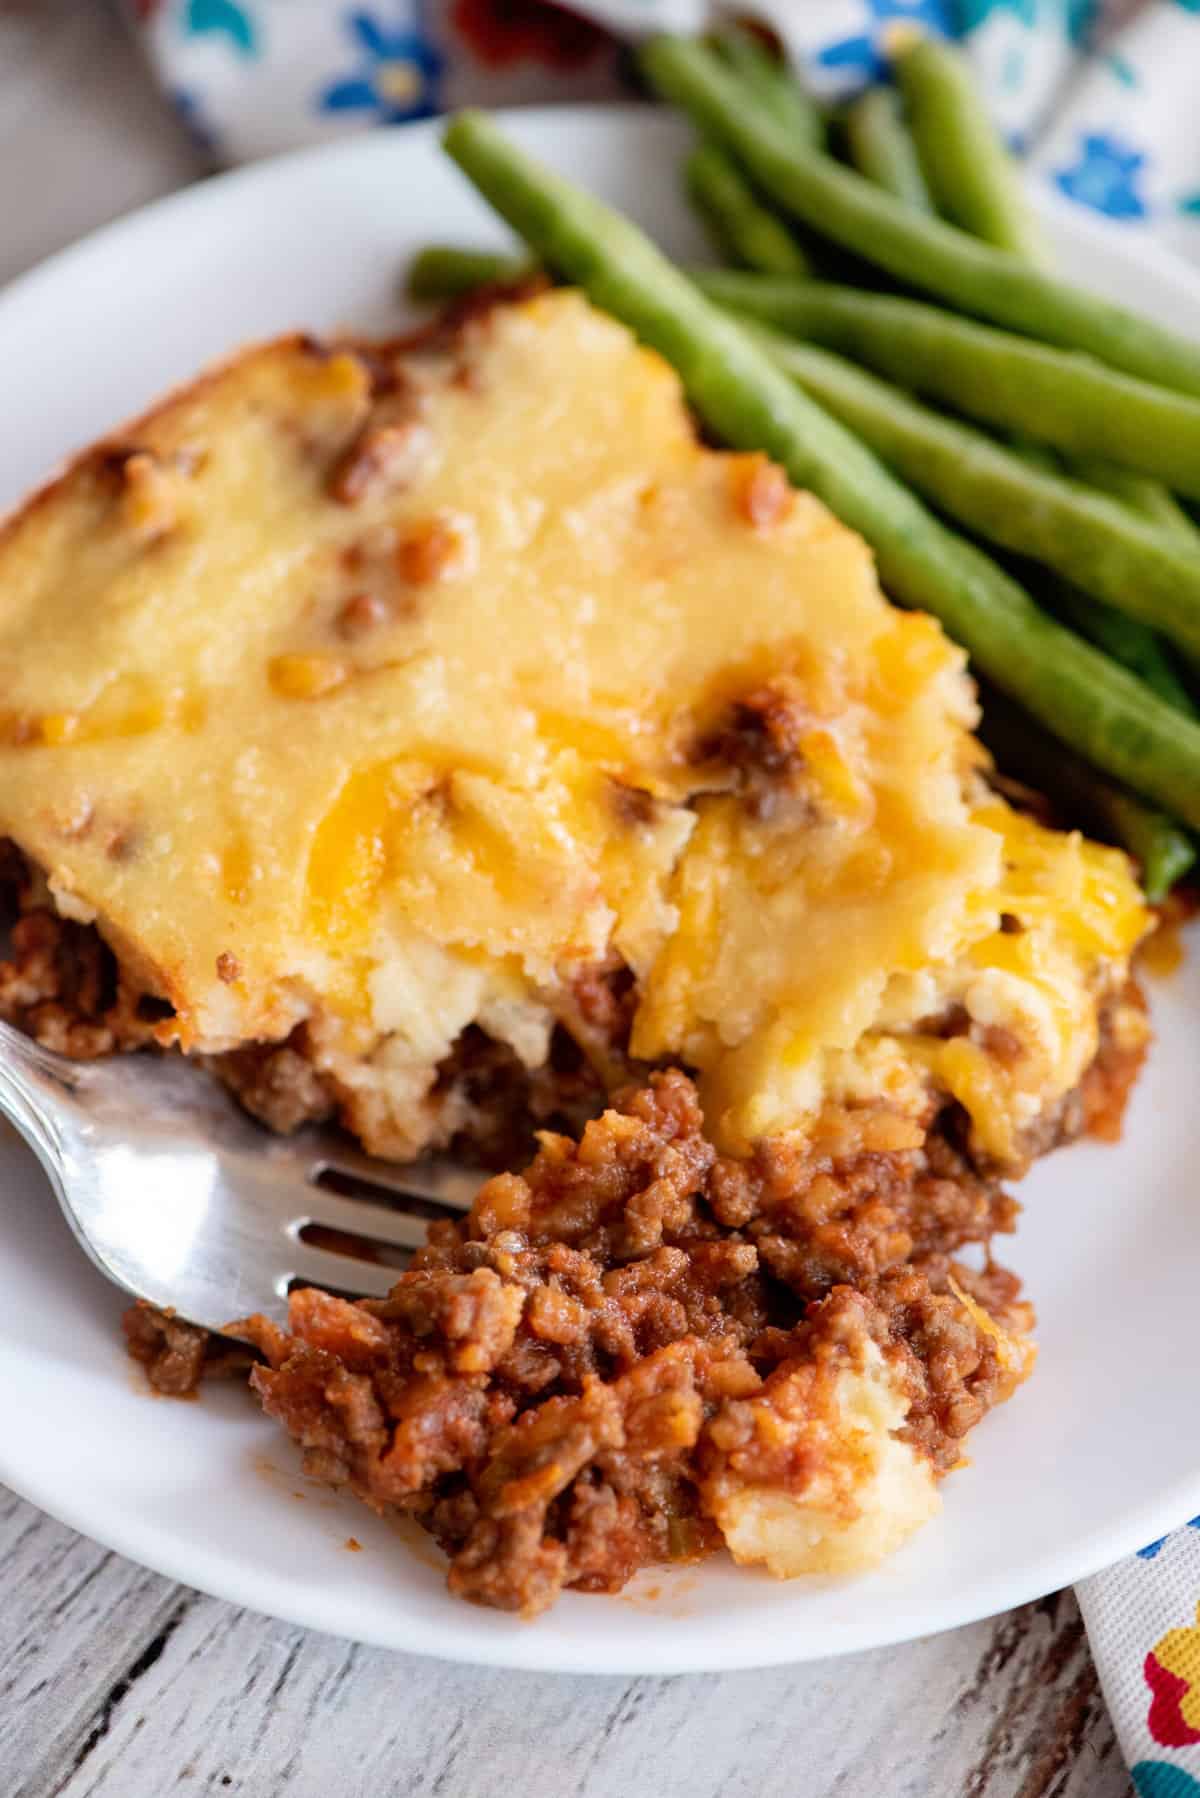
1097 1455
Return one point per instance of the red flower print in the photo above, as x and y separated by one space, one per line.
1172 1672
1165 1719
504 32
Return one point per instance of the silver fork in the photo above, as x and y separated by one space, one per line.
181 1199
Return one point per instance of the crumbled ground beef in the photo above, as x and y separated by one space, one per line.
60 985
178 1355
1124 1041
756 747
760 732
554 1381
501 1104
59 981
276 1082
496 1102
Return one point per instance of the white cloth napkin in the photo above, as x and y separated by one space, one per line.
1099 95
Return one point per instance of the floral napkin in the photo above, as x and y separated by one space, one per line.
1096 93
1098 96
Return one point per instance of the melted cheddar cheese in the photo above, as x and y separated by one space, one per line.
415 698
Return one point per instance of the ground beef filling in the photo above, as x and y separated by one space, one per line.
60 983
276 1082
558 1387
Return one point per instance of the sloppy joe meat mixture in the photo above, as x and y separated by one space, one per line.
560 1386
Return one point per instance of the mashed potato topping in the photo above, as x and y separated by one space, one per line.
866 1492
393 693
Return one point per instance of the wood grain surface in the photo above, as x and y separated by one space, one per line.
115 1683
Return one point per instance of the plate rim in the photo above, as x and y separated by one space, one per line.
522 1648
240 1582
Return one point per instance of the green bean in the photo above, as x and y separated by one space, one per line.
1127 641
978 187
1001 379
446 272
970 174
747 401
880 146
1149 497
1037 758
1162 849
741 225
1096 542
772 84
925 252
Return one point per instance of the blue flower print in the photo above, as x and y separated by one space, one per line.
1151 1549
973 13
864 57
1105 177
398 76
1083 17
189 109
1121 70
1012 72
221 18
1163 1779
1079 16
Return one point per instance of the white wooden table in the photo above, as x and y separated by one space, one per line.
115 1683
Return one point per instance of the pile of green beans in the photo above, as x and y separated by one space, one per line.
999 495
1052 395
977 186
1096 411
916 248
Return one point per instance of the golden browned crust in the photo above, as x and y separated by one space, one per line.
108 455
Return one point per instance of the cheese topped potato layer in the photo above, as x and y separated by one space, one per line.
396 692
